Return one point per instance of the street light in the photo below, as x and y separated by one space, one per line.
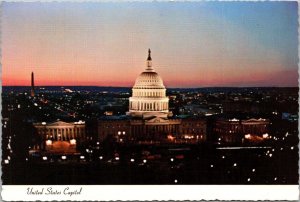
266 135
48 142
73 142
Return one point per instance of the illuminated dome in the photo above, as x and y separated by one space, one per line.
149 94
149 79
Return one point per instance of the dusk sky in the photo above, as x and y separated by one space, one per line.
197 44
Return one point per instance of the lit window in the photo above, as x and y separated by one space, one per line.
48 142
73 142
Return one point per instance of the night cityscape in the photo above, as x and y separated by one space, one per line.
270 160
161 93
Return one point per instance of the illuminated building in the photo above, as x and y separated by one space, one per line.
235 130
149 95
59 136
149 119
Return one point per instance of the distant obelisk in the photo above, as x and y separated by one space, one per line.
32 85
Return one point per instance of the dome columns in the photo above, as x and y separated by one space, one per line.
160 93
148 105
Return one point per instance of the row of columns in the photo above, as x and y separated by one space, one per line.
147 129
148 94
241 128
63 133
152 106
254 129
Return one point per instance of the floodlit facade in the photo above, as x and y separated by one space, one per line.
149 119
60 136
149 94
236 130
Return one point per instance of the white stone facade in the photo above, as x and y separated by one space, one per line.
149 95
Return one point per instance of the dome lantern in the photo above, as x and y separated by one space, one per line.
149 61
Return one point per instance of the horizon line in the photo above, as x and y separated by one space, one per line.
166 88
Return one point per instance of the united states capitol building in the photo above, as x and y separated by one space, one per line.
149 119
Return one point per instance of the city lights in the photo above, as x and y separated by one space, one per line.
73 142
179 142
48 142
266 135
248 136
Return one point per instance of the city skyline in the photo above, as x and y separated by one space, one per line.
200 44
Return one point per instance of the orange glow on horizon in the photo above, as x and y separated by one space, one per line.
193 45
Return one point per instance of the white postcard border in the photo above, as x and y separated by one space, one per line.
148 192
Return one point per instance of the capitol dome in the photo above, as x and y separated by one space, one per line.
149 79
149 94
